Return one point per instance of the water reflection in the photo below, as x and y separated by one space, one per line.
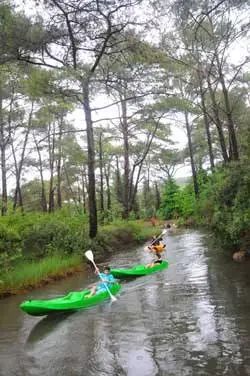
46 326
192 319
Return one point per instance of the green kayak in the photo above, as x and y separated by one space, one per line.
139 270
71 302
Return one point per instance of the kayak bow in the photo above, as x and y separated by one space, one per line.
71 302
139 270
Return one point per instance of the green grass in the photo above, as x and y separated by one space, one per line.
32 274
139 230
52 245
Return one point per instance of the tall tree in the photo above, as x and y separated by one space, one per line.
89 32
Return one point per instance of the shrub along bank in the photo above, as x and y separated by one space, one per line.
36 248
223 205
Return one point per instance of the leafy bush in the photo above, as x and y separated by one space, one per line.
10 247
36 235
168 208
224 204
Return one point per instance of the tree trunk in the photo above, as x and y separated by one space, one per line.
73 195
157 197
43 193
230 122
4 181
18 200
59 166
83 192
3 161
190 147
118 182
134 189
107 174
206 123
93 227
124 123
101 179
79 195
218 122
139 164
51 164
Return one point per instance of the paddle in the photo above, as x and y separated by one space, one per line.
90 257
164 231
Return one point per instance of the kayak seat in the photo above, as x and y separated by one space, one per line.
75 295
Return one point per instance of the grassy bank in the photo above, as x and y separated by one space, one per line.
28 275
36 249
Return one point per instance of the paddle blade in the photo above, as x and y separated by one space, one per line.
146 249
113 298
164 232
89 255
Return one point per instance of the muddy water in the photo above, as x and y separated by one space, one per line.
192 319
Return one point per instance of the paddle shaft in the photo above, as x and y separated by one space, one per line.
162 233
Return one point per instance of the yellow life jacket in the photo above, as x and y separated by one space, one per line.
159 248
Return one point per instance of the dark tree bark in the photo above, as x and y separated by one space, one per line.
124 125
18 201
101 178
91 162
190 147
118 182
206 123
157 197
40 168
59 165
3 143
230 123
139 163
218 122
83 191
107 175
51 139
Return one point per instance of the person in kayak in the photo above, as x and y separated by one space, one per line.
157 245
157 260
107 279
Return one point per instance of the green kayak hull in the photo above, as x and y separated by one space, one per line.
139 270
71 302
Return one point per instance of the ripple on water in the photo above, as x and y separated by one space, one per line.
191 319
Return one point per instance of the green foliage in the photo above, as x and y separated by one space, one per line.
176 104
224 204
185 201
38 235
177 202
120 234
37 246
10 247
33 274
168 209
39 83
19 36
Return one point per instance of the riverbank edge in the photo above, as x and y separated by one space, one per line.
123 238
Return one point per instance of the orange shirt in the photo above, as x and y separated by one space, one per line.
159 248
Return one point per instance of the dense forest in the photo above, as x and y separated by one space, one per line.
91 95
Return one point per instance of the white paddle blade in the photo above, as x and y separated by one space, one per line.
89 255
113 298
164 231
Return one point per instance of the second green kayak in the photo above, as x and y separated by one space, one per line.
71 302
139 270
